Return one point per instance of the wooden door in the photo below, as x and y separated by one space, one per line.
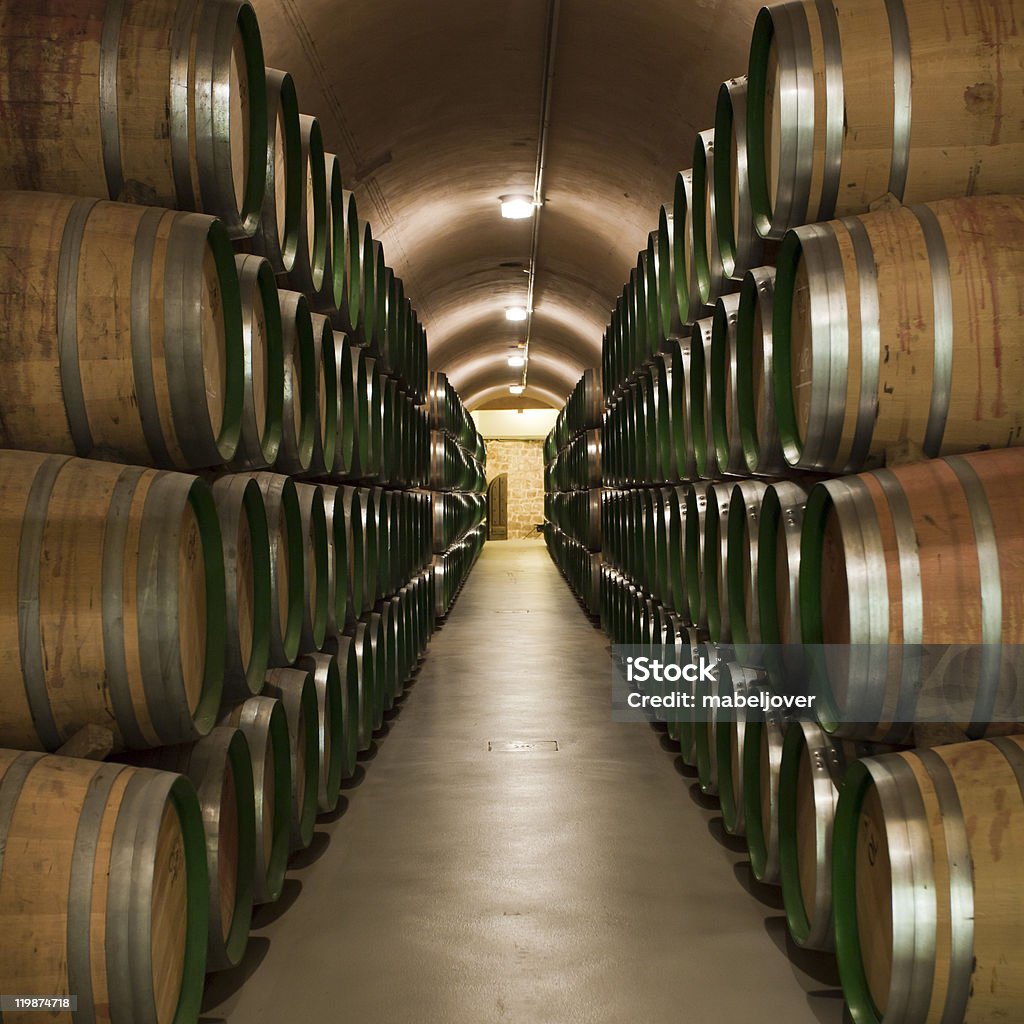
497 508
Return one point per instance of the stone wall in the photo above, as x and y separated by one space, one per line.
524 463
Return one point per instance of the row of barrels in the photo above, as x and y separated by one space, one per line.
453 468
453 566
155 861
798 372
581 567
448 415
826 124
455 514
176 592
578 514
583 410
890 595
855 832
177 110
310 231
578 466
136 335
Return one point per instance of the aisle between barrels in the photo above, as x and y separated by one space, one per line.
477 874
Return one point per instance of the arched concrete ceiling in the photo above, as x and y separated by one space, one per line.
434 110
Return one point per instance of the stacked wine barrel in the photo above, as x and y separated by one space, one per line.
813 407
458 481
217 496
573 490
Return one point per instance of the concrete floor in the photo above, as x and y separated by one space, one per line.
590 884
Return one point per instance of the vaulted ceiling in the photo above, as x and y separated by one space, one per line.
434 108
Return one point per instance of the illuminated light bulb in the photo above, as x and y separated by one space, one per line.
516 389
516 360
516 207
517 314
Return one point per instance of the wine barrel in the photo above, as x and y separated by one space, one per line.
928 852
316 554
287 566
246 545
276 237
755 398
117 856
916 557
684 264
345 430
349 315
301 386
374 313
263 722
329 295
220 767
295 690
811 773
671 320
362 642
368 416
323 670
670 428
764 736
117 367
371 549
699 386
875 100
327 412
888 334
162 106
714 577
308 272
739 245
691 641
732 732
724 413
707 256
705 720
778 563
348 670
263 399
740 571
695 508
352 507
117 577
337 559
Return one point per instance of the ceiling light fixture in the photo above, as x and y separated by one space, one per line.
516 389
516 359
517 314
516 207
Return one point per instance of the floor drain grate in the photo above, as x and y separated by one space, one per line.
520 746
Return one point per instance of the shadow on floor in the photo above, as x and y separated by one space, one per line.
309 856
734 844
270 912
224 984
821 967
768 895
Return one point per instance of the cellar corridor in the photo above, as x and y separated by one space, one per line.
468 886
